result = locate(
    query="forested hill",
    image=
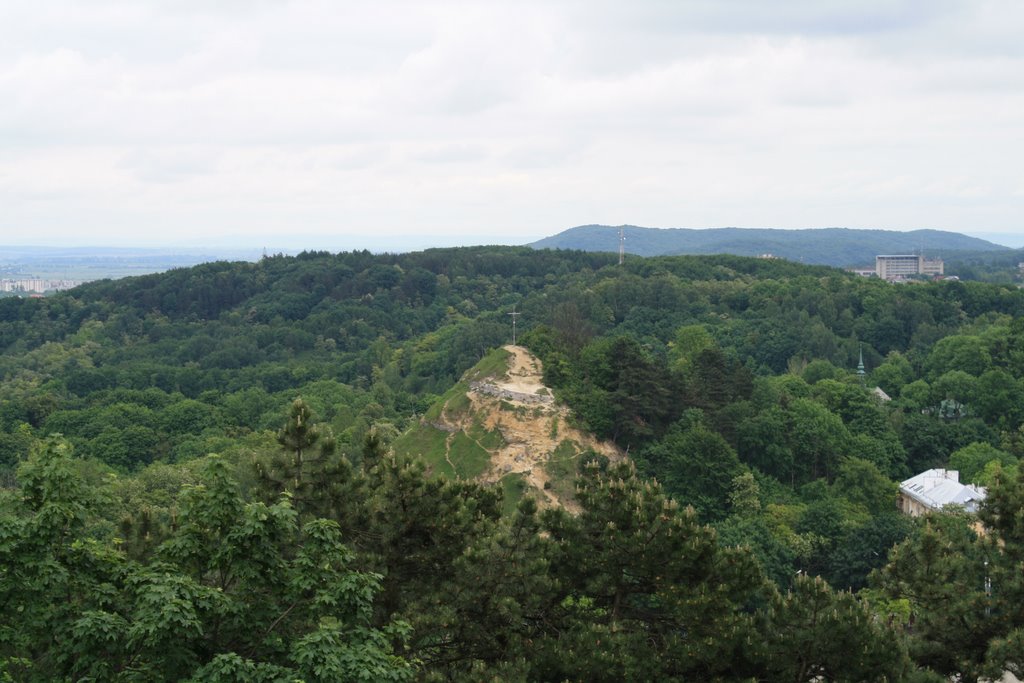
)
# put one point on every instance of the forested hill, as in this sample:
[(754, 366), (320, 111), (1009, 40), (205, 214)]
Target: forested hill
[(987, 266), (826, 246), (218, 473)]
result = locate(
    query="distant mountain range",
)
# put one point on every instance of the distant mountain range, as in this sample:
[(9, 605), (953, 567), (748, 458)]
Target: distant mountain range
[(825, 246)]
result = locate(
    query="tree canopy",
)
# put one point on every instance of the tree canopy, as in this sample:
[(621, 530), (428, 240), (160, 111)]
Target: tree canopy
[(749, 535)]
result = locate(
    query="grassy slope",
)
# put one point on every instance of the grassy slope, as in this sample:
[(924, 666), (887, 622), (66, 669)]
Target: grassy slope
[(466, 454), (513, 488), (429, 443), (561, 469)]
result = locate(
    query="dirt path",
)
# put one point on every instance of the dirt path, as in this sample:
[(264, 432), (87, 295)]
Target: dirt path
[(448, 450), (525, 374)]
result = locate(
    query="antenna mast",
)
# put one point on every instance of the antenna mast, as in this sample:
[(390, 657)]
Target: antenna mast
[(622, 244), (514, 316)]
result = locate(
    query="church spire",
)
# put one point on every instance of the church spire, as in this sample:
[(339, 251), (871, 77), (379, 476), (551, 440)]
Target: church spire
[(860, 365)]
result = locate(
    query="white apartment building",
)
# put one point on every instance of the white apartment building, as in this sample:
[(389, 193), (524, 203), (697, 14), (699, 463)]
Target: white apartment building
[(899, 266)]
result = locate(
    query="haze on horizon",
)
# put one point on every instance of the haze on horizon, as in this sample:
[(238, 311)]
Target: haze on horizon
[(409, 124)]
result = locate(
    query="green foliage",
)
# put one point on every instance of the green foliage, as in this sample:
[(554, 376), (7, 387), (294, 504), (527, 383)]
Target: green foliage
[(955, 384), (861, 483), (941, 438), (439, 517), (863, 548), (684, 362), (971, 460), (659, 600), (941, 572), (744, 497), (696, 466), (1000, 399), (232, 578), (814, 633), (895, 373), (690, 340), (591, 459), (306, 467)]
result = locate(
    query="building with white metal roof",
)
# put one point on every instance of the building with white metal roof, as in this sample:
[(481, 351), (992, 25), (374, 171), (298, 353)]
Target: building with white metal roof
[(935, 489)]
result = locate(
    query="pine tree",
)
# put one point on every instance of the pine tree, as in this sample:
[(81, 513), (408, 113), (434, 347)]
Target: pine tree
[(941, 572), (812, 633), (319, 481), (649, 593)]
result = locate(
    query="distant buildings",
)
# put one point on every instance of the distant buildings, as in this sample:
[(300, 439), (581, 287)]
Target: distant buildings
[(899, 266), (38, 285), (935, 489)]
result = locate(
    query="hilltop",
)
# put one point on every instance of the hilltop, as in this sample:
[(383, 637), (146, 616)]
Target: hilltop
[(501, 425), (824, 246)]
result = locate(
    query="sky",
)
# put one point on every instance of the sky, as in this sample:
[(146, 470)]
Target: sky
[(400, 125)]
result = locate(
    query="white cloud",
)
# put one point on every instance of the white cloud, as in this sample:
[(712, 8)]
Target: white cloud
[(505, 120)]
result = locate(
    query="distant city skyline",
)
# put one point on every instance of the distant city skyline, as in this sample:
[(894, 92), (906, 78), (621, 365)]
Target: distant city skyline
[(403, 125)]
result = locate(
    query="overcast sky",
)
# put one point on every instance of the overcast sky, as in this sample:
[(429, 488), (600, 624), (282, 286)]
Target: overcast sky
[(328, 124)]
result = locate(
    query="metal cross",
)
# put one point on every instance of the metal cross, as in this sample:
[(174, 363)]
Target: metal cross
[(514, 316)]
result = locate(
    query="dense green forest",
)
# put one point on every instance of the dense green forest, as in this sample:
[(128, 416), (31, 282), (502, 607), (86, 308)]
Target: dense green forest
[(987, 266), (199, 485)]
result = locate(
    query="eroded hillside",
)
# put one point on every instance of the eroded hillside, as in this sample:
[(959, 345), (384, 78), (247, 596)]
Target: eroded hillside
[(501, 424)]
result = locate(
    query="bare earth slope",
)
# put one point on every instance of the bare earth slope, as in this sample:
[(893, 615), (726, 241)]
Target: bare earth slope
[(512, 416)]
